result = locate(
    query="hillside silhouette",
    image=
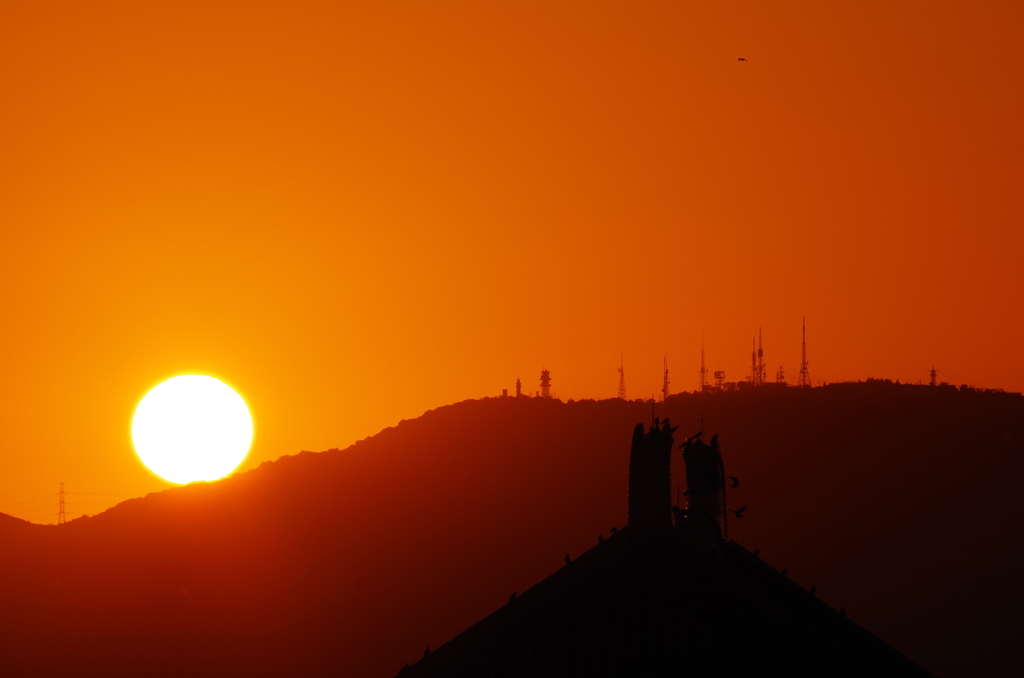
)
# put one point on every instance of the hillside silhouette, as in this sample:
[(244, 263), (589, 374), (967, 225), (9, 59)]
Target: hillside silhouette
[(896, 502)]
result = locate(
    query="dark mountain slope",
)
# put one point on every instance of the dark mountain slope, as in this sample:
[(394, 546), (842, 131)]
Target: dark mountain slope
[(898, 502)]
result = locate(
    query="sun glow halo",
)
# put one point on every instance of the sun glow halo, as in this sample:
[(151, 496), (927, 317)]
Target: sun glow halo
[(191, 428)]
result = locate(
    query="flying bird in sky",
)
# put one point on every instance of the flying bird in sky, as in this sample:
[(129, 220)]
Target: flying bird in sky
[(739, 511), (735, 482), (741, 59)]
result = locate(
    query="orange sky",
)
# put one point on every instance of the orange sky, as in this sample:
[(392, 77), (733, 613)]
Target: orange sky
[(354, 212)]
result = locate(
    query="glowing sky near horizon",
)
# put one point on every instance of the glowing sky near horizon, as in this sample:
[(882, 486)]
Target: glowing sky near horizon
[(362, 211)]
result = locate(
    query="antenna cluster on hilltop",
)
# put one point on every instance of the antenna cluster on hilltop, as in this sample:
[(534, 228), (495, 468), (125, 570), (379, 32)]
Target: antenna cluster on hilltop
[(758, 370), (758, 373)]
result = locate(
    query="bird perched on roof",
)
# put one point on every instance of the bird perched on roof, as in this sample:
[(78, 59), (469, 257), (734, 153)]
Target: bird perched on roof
[(842, 611), (513, 596), (735, 482), (600, 539), (739, 511), (757, 553), (566, 558), (814, 590), (426, 651), (614, 529), (785, 571)]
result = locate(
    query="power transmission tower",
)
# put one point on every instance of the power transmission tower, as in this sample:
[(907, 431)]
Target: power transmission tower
[(804, 380), (61, 518)]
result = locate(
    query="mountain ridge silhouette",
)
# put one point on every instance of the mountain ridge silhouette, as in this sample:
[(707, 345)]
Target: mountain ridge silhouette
[(353, 560)]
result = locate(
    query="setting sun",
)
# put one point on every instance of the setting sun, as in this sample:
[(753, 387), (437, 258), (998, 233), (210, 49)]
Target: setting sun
[(191, 428)]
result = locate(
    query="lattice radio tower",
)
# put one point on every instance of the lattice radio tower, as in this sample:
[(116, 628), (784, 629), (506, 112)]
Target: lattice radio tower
[(622, 377), (753, 362), (545, 384), (664, 384), (720, 379), (703, 370), (61, 518), (762, 375), (804, 380)]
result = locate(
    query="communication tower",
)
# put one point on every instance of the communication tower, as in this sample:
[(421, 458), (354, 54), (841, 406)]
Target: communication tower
[(804, 380), (934, 373), (703, 370), (762, 375), (519, 388), (664, 384), (753, 362), (622, 377), (545, 384), (720, 379), (61, 518), (780, 376)]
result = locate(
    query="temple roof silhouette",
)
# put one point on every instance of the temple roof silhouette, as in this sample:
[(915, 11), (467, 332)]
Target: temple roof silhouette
[(668, 594)]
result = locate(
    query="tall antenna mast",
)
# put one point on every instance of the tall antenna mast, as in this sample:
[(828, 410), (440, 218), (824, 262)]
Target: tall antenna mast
[(804, 380), (622, 376), (664, 385), (61, 518), (754, 362), (761, 376), (703, 370)]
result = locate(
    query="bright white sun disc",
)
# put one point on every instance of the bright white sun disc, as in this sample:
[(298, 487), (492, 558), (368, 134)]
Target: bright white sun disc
[(191, 428)]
